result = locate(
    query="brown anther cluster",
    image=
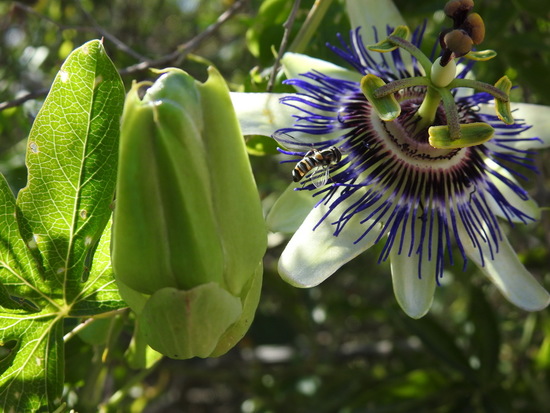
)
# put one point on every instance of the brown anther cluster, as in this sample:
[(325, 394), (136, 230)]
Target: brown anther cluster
[(468, 30)]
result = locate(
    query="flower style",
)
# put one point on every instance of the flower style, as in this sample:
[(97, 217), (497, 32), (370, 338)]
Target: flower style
[(413, 182)]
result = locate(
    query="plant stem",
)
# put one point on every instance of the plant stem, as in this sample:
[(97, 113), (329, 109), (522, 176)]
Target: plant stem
[(310, 26)]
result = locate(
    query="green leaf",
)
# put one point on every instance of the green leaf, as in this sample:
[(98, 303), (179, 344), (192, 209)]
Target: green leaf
[(54, 261), (99, 293), (486, 337), (18, 269), (30, 332), (267, 29), (32, 373), (261, 145), (440, 343), (71, 159)]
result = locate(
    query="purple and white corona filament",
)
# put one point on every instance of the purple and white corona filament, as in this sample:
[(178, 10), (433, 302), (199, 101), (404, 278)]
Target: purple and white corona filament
[(392, 186)]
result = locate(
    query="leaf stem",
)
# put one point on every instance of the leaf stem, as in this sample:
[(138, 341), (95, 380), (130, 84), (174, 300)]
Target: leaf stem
[(287, 25), (118, 396), (310, 26)]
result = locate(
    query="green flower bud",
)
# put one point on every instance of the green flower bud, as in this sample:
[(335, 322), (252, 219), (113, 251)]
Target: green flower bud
[(164, 232), (188, 230)]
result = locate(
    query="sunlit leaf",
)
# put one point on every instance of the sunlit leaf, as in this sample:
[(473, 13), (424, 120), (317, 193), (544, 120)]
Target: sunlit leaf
[(50, 239)]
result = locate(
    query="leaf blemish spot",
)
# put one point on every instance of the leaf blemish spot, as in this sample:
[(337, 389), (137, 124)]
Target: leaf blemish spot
[(61, 270), (83, 214), (33, 147), (88, 241), (32, 244), (98, 81), (64, 76)]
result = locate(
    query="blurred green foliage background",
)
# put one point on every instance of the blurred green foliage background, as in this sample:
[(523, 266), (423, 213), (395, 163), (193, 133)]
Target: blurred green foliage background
[(344, 346)]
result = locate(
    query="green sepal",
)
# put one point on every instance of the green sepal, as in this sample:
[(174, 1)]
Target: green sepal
[(481, 55), (471, 134), (250, 297), (387, 45), (134, 299), (183, 324), (164, 230), (139, 350), (502, 107), (259, 145), (387, 106)]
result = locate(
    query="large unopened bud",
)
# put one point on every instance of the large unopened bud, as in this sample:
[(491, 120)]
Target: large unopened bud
[(188, 231)]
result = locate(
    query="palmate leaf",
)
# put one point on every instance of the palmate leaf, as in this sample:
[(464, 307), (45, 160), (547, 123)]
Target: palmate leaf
[(54, 260)]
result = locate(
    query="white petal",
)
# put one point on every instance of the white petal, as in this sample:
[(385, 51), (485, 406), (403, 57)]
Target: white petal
[(462, 92), (508, 274), (537, 116), (261, 113), (527, 206), (295, 64), (312, 256), (378, 14), (290, 210), (373, 13), (414, 294)]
